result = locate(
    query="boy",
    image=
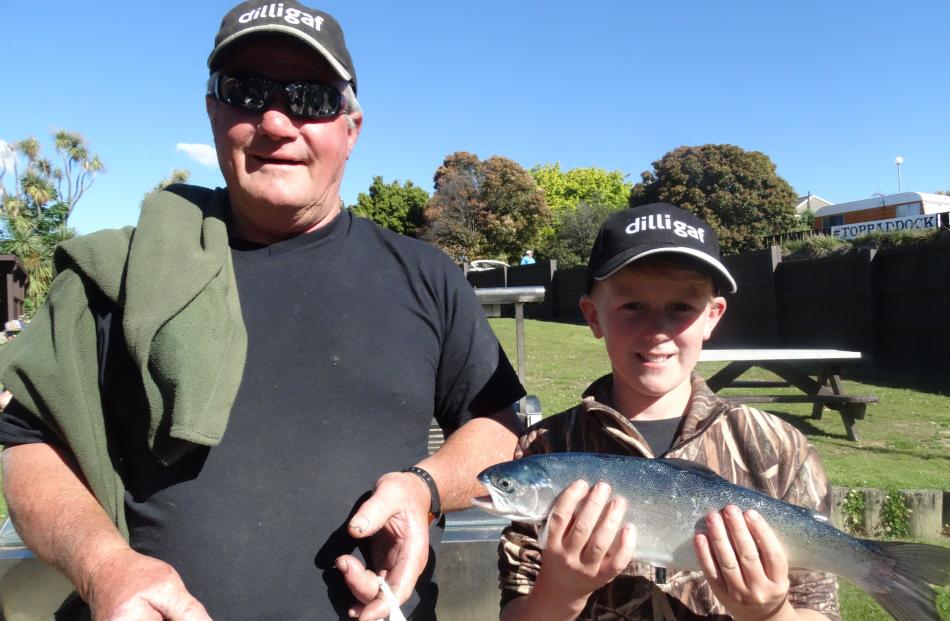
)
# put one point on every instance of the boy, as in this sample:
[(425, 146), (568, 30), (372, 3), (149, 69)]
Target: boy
[(654, 283)]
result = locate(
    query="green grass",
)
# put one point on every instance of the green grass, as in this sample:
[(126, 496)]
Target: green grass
[(856, 605), (904, 439)]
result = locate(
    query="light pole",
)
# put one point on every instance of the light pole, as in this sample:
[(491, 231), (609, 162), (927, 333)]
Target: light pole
[(897, 162)]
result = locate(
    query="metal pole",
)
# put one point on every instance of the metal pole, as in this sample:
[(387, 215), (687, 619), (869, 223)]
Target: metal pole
[(490, 296), (519, 340), (900, 187)]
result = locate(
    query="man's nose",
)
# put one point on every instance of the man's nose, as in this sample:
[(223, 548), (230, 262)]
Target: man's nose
[(276, 122)]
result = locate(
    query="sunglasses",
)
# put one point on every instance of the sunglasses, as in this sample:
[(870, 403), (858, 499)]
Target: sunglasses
[(304, 100)]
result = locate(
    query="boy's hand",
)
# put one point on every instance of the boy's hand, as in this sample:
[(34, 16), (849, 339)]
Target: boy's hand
[(745, 565), (588, 544)]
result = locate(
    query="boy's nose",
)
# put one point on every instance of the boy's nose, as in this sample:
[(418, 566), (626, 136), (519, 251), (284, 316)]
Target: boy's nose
[(660, 327), (656, 320)]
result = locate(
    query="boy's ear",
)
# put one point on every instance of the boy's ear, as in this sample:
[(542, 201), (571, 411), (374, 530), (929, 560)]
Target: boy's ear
[(717, 307), (589, 310)]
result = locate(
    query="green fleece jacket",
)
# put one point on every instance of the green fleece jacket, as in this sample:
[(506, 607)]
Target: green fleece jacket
[(173, 279)]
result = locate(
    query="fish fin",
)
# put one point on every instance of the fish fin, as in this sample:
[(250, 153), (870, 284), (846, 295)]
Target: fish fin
[(902, 579), (685, 464)]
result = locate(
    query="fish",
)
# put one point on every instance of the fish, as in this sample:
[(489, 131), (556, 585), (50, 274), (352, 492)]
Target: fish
[(668, 499)]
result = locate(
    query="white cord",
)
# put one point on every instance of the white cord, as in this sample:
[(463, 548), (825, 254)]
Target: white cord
[(394, 613)]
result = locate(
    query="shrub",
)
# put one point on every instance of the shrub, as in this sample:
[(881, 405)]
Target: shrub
[(853, 512), (897, 239), (895, 515), (815, 246)]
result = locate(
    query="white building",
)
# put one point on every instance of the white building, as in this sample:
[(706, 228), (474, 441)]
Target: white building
[(810, 201), (894, 212)]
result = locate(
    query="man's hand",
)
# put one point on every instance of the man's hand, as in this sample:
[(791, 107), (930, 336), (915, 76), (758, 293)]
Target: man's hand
[(745, 565), (61, 521), (128, 586), (396, 517)]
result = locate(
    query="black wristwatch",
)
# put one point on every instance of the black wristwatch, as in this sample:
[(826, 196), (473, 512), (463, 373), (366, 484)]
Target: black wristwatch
[(435, 504)]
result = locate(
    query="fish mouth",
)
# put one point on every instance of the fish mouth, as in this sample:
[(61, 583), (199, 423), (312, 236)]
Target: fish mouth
[(484, 503), (495, 506), (488, 505)]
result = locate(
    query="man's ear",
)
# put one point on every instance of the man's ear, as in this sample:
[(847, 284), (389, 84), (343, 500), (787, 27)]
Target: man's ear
[(356, 118), (589, 310), (211, 107), (717, 308)]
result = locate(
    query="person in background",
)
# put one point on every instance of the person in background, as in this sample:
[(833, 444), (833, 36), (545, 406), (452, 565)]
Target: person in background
[(224, 413), (528, 258)]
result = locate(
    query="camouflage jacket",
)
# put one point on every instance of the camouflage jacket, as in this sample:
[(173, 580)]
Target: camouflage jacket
[(742, 444)]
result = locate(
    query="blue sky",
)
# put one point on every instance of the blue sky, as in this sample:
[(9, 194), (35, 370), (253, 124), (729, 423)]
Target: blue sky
[(831, 91)]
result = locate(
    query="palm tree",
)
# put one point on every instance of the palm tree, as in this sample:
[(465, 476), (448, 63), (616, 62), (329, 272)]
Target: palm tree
[(34, 214), (179, 175), (79, 168)]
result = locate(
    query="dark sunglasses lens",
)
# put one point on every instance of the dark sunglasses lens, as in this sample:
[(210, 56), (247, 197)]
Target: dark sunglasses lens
[(313, 101), (247, 92)]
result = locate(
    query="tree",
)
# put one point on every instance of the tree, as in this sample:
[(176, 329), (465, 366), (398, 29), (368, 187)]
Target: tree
[(576, 230), (600, 190), (37, 202), (593, 186), (484, 209), (79, 168), (738, 192), (806, 220), (452, 214), (397, 207), (179, 175)]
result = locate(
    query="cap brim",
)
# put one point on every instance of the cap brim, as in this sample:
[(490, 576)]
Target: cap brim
[(286, 30), (615, 264)]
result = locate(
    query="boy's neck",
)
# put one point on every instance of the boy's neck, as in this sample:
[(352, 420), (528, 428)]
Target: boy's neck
[(634, 405)]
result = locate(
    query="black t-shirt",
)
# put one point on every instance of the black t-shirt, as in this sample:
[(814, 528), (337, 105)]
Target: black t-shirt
[(357, 337), (659, 434)]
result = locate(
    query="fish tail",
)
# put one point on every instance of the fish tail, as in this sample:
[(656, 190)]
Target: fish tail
[(902, 577)]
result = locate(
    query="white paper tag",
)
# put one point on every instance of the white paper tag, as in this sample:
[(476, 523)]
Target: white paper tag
[(394, 613)]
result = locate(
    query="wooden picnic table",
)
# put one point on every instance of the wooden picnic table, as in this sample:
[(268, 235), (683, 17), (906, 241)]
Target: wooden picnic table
[(825, 390)]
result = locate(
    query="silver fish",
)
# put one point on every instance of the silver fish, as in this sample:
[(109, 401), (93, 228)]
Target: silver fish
[(669, 499)]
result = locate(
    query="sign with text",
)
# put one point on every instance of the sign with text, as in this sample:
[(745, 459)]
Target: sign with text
[(906, 223)]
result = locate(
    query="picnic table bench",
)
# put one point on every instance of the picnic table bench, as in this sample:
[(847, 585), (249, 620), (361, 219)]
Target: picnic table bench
[(825, 390)]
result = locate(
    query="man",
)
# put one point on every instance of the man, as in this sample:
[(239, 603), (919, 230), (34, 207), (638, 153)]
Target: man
[(528, 258), (203, 402)]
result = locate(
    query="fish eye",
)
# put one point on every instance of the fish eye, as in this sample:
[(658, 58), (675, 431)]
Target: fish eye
[(505, 484)]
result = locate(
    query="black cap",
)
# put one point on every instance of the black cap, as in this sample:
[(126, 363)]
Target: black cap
[(315, 28), (632, 234)]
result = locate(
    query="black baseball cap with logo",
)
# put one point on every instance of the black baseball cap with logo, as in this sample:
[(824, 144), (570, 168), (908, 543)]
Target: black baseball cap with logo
[(638, 232), (315, 28)]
